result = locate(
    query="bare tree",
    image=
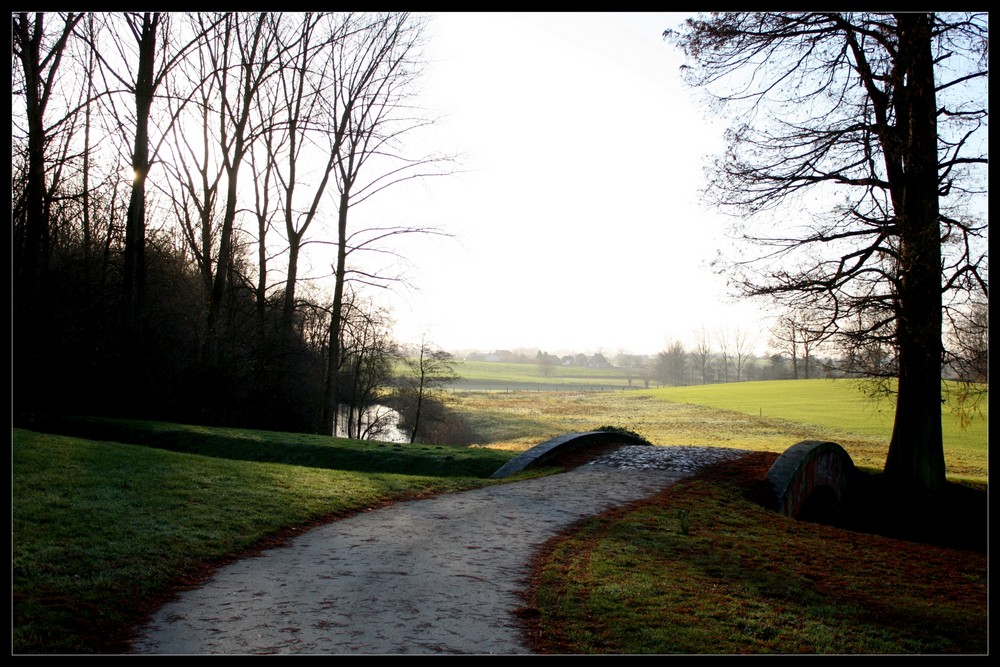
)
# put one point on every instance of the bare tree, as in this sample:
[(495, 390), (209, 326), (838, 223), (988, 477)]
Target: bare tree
[(132, 131), (142, 87), (742, 352), (885, 114), (631, 365), (672, 364), (194, 168), (220, 101), (244, 58), (702, 353), (97, 227), (798, 333), (546, 364), (429, 369), (968, 357), (969, 350), (265, 210), (785, 338), (39, 52), (369, 356), (305, 130), (647, 371), (725, 343), (139, 73), (376, 65)]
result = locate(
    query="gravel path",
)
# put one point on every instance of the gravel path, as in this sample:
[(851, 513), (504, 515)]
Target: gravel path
[(435, 576)]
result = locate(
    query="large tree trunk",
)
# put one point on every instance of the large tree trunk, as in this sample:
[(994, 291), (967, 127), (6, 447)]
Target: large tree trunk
[(291, 281), (224, 260), (28, 255), (333, 367), (916, 453), (134, 275)]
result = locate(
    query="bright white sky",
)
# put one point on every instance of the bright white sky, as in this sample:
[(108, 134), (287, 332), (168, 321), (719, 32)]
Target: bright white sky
[(576, 219)]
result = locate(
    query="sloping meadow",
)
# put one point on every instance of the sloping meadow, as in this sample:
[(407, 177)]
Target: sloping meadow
[(762, 416)]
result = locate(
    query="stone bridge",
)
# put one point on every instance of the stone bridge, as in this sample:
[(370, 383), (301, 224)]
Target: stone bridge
[(811, 479), (565, 445)]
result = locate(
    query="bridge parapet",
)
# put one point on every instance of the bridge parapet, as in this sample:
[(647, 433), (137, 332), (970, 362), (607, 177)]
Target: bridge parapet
[(571, 442), (810, 479)]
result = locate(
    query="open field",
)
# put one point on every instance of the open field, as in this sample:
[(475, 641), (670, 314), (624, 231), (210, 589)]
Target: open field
[(761, 416), (516, 405), (838, 404), (840, 408), (496, 376)]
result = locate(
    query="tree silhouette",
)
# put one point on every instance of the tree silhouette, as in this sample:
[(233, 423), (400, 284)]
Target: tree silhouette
[(882, 114), (428, 369)]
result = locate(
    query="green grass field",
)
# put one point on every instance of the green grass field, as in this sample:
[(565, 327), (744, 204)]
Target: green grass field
[(101, 527), (760, 416), (496, 376), (838, 406), (841, 408)]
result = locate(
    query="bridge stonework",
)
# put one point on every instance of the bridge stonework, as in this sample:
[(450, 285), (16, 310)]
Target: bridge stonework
[(811, 479), (571, 442)]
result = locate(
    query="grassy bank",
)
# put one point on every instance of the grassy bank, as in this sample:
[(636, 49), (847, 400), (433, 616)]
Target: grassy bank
[(102, 530), (731, 577)]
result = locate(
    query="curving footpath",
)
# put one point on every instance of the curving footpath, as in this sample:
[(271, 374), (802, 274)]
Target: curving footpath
[(434, 576)]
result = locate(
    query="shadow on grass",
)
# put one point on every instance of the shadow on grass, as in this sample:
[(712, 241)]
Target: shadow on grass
[(957, 517), (284, 448)]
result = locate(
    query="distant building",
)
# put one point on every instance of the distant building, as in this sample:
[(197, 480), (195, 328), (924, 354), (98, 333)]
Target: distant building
[(598, 361), (547, 359)]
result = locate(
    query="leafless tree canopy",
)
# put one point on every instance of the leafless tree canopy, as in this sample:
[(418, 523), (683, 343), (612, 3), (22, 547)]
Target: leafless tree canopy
[(182, 175), (856, 165), (428, 368)]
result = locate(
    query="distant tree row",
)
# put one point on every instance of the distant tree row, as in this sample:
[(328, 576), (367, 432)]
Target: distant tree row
[(182, 191), (800, 348)]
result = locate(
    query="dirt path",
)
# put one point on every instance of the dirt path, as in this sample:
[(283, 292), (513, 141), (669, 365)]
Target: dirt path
[(433, 576)]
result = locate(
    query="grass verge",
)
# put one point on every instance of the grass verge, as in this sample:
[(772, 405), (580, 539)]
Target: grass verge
[(104, 531), (736, 578)]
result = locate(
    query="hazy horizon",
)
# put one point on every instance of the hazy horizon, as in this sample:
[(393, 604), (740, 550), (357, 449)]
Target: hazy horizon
[(575, 216)]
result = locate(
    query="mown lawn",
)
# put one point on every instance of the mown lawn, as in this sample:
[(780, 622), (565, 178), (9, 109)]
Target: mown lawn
[(498, 376), (843, 411), (103, 530)]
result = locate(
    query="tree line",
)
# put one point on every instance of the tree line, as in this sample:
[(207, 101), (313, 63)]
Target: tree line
[(184, 189)]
